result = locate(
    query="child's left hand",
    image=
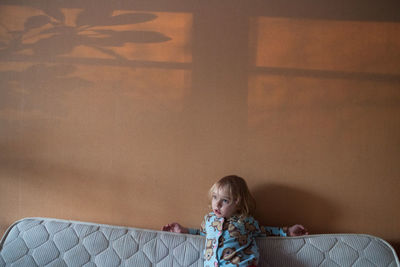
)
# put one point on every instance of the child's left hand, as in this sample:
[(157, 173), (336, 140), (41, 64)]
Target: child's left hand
[(297, 230)]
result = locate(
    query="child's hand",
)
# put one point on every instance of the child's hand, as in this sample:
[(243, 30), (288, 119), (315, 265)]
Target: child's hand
[(175, 228), (297, 230)]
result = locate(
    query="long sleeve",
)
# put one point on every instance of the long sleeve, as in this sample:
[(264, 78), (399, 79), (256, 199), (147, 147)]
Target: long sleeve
[(200, 231), (273, 231), (194, 231), (263, 231)]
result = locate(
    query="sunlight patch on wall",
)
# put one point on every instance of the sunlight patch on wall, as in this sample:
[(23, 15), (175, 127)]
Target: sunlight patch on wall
[(160, 37), (306, 70), (147, 89), (51, 57), (297, 102), (349, 46), (8, 14), (116, 34)]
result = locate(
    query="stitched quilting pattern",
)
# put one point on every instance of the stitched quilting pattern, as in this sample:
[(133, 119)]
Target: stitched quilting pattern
[(52, 242)]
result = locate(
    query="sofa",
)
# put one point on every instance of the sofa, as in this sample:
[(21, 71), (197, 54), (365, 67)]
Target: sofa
[(53, 242)]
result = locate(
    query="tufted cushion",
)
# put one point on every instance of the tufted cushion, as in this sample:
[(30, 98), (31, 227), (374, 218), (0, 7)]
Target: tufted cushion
[(52, 242)]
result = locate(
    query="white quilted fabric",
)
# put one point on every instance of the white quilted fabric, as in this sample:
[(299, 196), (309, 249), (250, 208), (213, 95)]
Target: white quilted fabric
[(52, 242)]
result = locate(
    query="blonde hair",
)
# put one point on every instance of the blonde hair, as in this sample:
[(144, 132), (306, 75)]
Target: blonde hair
[(237, 188)]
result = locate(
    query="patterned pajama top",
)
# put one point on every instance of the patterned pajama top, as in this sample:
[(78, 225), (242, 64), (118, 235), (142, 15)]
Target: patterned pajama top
[(231, 242)]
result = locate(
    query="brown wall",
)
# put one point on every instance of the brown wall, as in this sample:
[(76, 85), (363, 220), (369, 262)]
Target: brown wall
[(125, 112)]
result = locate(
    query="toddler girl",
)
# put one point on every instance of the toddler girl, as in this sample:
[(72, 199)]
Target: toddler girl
[(229, 228)]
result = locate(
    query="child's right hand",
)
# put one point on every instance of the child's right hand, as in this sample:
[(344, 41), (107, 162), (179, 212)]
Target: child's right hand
[(175, 228), (297, 230)]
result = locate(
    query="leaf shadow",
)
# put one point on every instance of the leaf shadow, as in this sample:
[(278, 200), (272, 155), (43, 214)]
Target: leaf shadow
[(50, 36)]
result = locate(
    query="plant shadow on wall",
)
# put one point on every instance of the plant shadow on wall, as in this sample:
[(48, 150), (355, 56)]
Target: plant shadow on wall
[(45, 53), (279, 205), (39, 67), (50, 35)]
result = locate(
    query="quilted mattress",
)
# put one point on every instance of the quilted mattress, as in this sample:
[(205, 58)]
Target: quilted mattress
[(53, 242)]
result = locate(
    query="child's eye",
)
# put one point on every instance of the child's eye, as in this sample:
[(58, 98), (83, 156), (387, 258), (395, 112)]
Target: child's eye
[(225, 201), (214, 197)]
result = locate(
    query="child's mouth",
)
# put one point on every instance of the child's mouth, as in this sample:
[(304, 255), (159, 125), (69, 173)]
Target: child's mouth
[(217, 212)]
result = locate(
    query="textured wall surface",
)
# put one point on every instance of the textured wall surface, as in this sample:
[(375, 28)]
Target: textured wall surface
[(126, 112)]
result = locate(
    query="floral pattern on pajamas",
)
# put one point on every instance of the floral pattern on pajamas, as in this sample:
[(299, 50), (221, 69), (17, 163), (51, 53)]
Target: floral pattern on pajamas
[(231, 242)]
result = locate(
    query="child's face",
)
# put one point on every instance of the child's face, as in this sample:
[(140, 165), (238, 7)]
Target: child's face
[(222, 203)]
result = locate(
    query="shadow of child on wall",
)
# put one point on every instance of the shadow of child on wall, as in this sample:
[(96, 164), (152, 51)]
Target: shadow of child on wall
[(280, 205)]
